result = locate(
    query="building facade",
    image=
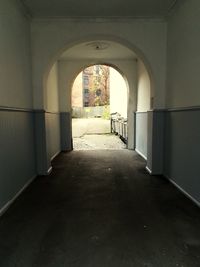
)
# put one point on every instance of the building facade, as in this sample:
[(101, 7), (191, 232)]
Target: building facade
[(96, 86)]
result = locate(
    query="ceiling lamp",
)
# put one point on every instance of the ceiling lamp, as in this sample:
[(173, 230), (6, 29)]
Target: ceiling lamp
[(98, 45)]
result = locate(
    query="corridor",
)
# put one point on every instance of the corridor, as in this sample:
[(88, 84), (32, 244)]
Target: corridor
[(100, 209)]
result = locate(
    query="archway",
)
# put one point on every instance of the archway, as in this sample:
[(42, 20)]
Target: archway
[(99, 41), (77, 57), (99, 103)]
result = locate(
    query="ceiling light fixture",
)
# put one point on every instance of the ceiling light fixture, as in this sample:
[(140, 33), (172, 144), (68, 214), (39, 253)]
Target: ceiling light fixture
[(98, 45)]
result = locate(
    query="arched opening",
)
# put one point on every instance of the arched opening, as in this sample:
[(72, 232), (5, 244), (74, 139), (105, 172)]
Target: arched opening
[(99, 101), (100, 52), (69, 51)]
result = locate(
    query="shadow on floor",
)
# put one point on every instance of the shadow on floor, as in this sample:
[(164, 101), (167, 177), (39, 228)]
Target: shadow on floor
[(100, 209)]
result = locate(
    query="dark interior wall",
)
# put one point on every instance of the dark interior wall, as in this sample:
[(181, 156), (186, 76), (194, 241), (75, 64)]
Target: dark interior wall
[(182, 131), (183, 57), (53, 134), (182, 150), (15, 56), (17, 156)]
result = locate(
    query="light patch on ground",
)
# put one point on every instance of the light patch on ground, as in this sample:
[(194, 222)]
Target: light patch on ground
[(98, 141), (81, 127)]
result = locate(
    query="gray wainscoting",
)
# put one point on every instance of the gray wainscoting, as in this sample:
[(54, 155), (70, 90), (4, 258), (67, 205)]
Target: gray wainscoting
[(17, 155), (141, 133), (53, 134), (48, 139), (182, 150), (155, 148), (66, 131), (43, 163), (29, 140)]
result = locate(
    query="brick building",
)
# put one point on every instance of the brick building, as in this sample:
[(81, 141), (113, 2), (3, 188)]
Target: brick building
[(96, 86)]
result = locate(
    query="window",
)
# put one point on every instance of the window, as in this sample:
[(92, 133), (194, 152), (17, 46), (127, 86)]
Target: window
[(86, 91), (97, 69), (85, 80), (98, 92)]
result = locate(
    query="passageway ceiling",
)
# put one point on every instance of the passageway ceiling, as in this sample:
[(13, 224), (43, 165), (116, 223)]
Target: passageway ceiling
[(98, 50), (101, 8)]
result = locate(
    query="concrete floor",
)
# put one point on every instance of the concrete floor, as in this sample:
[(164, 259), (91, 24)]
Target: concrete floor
[(100, 209)]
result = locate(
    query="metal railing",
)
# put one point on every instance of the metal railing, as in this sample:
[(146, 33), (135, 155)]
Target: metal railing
[(119, 126)]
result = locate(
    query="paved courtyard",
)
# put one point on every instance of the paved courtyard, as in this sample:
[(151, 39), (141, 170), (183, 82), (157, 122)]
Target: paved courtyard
[(101, 141), (93, 134), (82, 127)]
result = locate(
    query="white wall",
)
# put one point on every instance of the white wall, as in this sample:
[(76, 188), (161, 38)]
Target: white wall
[(118, 93), (143, 105), (51, 36), (52, 93), (143, 88), (183, 65), (52, 116), (77, 91), (15, 64)]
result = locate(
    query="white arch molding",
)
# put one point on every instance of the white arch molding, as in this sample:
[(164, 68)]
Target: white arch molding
[(91, 38), (129, 76)]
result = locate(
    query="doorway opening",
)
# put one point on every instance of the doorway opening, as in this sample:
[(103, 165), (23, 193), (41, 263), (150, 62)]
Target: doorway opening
[(99, 109)]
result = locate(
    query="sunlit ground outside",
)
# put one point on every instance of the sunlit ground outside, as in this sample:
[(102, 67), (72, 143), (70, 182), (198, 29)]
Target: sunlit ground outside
[(94, 133)]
